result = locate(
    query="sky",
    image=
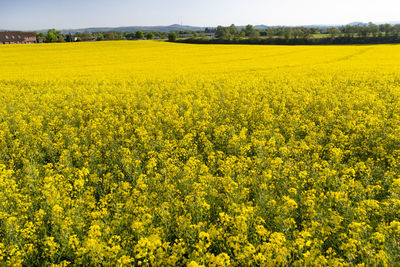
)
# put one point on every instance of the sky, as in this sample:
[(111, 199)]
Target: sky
[(70, 14)]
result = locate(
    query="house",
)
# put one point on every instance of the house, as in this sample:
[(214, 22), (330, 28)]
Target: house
[(14, 37)]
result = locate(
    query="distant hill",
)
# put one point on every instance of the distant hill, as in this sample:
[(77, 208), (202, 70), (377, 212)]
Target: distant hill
[(173, 27), (389, 22), (319, 26), (355, 23), (177, 27), (261, 27), (323, 26), (378, 23)]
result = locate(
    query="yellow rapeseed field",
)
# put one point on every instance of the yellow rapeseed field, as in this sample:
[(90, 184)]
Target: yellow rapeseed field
[(162, 154)]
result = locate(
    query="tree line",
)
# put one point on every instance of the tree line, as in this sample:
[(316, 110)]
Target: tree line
[(54, 36), (348, 34)]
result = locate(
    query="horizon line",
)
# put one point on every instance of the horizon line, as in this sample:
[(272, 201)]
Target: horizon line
[(213, 26)]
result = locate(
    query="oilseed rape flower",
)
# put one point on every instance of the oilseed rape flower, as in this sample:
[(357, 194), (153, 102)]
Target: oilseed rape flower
[(163, 154)]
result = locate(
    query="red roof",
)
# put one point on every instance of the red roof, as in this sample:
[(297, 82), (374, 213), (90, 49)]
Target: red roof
[(17, 37)]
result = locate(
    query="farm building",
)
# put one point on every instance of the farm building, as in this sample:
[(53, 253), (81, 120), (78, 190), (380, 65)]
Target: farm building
[(14, 37)]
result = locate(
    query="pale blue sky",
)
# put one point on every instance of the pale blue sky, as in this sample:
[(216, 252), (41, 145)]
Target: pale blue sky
[(66, 14)]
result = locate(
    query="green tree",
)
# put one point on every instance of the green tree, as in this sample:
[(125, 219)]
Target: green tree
[(305, 33), (396, 30), (139, 35), (163, 35), (296, 33), (172, 37), (227, 33), (39, 36), (109, 36), (233, 31), (362, 31), (130, 35), (60, 38), (221, 32), (100, 37), (150, 36), (68, 37), (270, 33), (119, 36), (242, 33), (387, 28), (373, 29), (51, 36), (334, 32), (349, 31), (249, 30), (287, 33)]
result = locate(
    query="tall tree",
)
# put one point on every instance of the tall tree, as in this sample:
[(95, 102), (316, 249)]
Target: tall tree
[(348, 31), (334, 32), (220, 32), (139, 35), (150, 36), (100, 37), (287, 33), (233, 31), (373, 29), (249, 30), (172, 37), (109, 36), (51, 36), (387, 29)]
